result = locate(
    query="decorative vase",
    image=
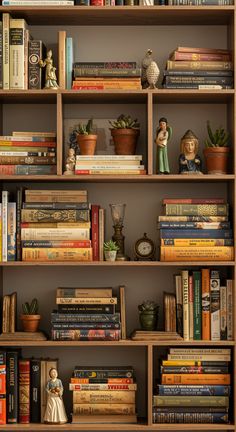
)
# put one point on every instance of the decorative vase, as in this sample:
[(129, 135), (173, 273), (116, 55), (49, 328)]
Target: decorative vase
[(110, 255), (87, 144), (148, 320), (217, 159), (30, 323), (153, 73), (125, 140)]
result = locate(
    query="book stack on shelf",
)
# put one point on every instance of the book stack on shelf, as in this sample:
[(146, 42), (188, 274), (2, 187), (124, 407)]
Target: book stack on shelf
[(110, 165), (199, 68), (195, 387), (202, 308), (38, 2), (28, 153), (106, 76), (195, 230), (85, 314), (103, 394)]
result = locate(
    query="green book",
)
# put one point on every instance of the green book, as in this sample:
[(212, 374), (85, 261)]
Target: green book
[(197, 310), (191, 401)]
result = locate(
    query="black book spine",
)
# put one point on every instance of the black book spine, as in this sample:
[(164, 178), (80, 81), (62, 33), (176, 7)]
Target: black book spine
[(35, 412), (12, 387), (87, 309), (103, 374), (19, 198), (36, 53)]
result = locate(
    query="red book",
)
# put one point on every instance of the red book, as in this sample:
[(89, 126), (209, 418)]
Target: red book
[(2, 387), (24, 391), (96, 3), (193, 201), (95, 231), (27, 143), (101, 87), (193, 56)]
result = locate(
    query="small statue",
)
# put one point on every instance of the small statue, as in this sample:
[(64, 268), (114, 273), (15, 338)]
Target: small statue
[(147, 60), (153, 73), (163, 135), (50, 74), (55, 411), (189, 161), (70, 162)]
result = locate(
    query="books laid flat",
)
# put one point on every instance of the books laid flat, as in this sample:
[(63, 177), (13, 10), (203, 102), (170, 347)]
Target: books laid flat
[(154, 335)]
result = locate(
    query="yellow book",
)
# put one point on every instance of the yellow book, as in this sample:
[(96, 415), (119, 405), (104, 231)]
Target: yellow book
[(196, 242), (198, 379), (57, 254), (86, 300), (191, 253)]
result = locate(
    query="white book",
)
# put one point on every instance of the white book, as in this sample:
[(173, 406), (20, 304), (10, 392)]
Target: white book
[(55, 234), (198, 350), (229, 306), (109, 167), (223, 313), (17, 53), (109, 157), (62, 59), (215, 305), (5, 52), (4, 225), (101, 227), (185, 288)]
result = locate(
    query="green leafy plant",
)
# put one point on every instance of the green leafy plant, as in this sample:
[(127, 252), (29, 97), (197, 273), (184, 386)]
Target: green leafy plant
[(30, 309), (110, 246), (219, 138), (124, 122), (85, 129), (148, 306)]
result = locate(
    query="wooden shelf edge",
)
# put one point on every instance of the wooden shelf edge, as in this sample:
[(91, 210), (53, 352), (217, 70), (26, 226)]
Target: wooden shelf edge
[(118, 264), (121, 343)]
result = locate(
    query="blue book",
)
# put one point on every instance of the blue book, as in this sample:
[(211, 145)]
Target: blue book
[(194, 390), (69, 62), (195, 225), (196, 233)]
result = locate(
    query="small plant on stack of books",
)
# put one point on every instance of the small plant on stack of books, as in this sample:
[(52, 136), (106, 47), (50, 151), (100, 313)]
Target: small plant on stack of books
[(86, 138), (110, 250), (30, 317), (125, 133)]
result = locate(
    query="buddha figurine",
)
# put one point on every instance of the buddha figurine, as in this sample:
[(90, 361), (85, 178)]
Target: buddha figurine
[(189, 161)]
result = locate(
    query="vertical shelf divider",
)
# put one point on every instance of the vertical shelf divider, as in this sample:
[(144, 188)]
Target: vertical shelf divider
[(149, 383), (150, 132), (59, 135)]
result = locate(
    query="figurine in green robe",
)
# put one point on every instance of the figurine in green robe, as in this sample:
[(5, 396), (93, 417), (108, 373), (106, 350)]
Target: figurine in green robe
[(163, 135)]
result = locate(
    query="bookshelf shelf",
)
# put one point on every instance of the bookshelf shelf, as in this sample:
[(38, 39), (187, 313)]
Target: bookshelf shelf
[(121, 343), (117, 264)]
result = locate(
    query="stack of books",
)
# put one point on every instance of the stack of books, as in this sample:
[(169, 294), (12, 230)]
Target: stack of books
[(199, 68), (202, 306), (195, 387), (103, 394), (109, 165), (85, 314), (106, 76), (195, 230), (28, 153), (37, 2)]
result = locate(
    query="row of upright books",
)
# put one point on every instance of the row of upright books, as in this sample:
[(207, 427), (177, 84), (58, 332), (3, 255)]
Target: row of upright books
[(194, 386), (195, 230), (51, 225), (202, 306), (23, 395), (199, 68), (88, 314)]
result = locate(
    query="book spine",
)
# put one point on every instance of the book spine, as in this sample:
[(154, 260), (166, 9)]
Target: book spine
[(97, 397), (27, 169), (55, 215), (194, 369), (218, 253), (6, 51), (26, 57), (184, 274), (223, 313), (69, 62), (3, 384), (107, 86), (201, 56), (195, 233), (86, 300), (110, 172), (17, 67), (85, 326), (4, 224), (193, 201), (206, 363), (196, 242), (56, 244), (192, 218), (84, 292), (102, 387), (200, 357), (179, 304), (56, 206), (103, 374), (206, 316), (34, 70), (1, 232), (88, 335), (55, 234), (11, 231), (46, 145), (35, 391), (200, 351), (104, 381), (192, 417), (111, 158), (122, 312), (82, 168), (191, 305), (35, 160), (19, 197), (62, 59), (176, 409), (97, 409), (24, 391), (195, 225), (197, 401), (215, 305), (198, 86), (197, 310), (87, 309), (12, 387), (198, 80), (97, 72), (101, 230), (95, 231), (106, 65), (1, 55), (85, 318), (196, 209), (56, 254), (229, 307), (193, 390), (186, 65)]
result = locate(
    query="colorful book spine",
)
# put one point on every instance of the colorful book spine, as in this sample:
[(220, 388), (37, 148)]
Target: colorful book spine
[(87, 309), (200, 56), (3, 385), (17, 48), (102, 387), (191, 300), (56, 244), (198, 80), (218, 253), (194, 390), (86, 335), (179, 304), (180, 242), (12, 387), (57, 254), (90, 319), (101, 232), (101, 374), (195, 233), (69, 62), (84, 292), (103, 409), (104, 381), (212, 379), (93, 397), (223, 313), (1, 55), (197, 310), (86, 300), (194, 369), (6, 50), (56, 206), (4, 224), (185, 280), (35, 366), (11, 231), (85, 326), (55, 215), (55, 234), (196, 209), (201, 65), (215, 305), (35, 72), (28, 169), (95, 231), (229, 308), (195, 225), (206, 315), (190, 417), (196, 401), (24, 391)]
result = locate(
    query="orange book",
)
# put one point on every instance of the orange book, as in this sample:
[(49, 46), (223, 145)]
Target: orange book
[(198, 379), (108, 381), (191, 253), (206, 315)]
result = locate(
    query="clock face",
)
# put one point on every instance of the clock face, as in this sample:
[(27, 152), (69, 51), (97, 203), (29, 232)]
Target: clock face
[(144, 248)]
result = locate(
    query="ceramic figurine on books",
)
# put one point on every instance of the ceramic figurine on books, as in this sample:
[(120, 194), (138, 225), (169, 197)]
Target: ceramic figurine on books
[(70, 162), (55, 411), (163, 135), (50, 74), (189, 161)]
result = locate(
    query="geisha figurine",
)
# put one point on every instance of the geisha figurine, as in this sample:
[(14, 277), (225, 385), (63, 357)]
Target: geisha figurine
[(55, 411), (50, 74), (189, 161)]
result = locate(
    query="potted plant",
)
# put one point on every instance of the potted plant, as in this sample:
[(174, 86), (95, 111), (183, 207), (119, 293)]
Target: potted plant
[(125, 133), (110, 250), (148, 315), (30, 317), (217, 150), (86, 139)]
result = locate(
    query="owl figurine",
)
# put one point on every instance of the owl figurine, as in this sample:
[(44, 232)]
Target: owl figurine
[(152, 73), (147, 60)]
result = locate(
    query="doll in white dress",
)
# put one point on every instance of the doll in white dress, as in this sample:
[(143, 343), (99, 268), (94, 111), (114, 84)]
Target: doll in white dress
[(55, 411)]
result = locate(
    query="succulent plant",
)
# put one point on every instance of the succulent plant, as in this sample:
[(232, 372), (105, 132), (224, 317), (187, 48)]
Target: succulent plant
[(85, 129), (219, 138), (148, 306), (124, 122), (30, 309), (110, 246)]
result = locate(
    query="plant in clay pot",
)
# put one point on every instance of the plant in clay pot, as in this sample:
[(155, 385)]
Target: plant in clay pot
[(217, 150), (86, 138), (125, 133), (148, 315), (30, 317), (110, 250)]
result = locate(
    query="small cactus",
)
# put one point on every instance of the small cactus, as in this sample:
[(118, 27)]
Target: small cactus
[(85, 129), (30, 309), (110, 246), (124, 122), (218, 139)]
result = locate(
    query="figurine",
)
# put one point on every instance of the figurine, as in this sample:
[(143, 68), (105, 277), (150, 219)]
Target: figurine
[(145, 63), (50, 74), (189, 161), (70, 162), (55, 411), (163, 135), (153, 73)]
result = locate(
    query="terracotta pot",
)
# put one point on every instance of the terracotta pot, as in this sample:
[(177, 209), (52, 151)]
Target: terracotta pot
[(125, 140), (216, 159), (87, 144), (30, 323)]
